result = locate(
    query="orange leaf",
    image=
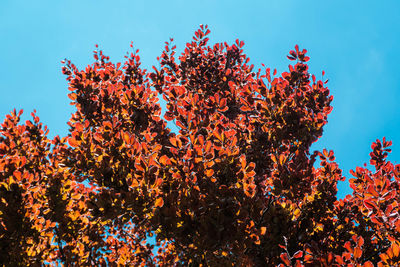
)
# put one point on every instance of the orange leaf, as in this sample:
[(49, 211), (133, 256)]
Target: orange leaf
[(72, 96), (159, 202), (209, 172), (263, 230), (201, 140), (217, 134), (78, 127), (134, 183), (173, 141), (243, 161), (107, 124), (17, 175), (72, 142), (396, 249), (126, 137), (164, 160), (208, 146), (158, 182)]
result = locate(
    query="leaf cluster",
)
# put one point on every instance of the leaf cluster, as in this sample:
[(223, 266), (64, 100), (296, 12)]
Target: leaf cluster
[(235, 184)]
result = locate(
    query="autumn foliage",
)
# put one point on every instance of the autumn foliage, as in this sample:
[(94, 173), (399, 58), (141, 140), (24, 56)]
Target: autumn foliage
[(224, 178)]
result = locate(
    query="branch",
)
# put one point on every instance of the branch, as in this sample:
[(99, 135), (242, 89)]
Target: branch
[(63, 258)]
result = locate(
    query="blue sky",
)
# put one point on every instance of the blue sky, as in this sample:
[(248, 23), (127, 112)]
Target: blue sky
[(356, 42)]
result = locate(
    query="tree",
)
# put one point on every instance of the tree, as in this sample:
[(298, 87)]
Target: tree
[(236, 184)]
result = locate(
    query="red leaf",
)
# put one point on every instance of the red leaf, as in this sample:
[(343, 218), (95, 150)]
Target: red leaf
[(360, 241), (369, 204), (298, 254), (347, 246), (357, 253), (284, 257), (339, 259)]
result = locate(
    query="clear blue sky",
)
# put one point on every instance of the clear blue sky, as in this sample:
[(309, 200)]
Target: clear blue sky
[(357, 43)]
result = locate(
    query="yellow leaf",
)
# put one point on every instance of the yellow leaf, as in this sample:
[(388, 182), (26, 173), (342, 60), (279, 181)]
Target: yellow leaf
[(85, 220), (4, 184), (282, 159), (296, 212)]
